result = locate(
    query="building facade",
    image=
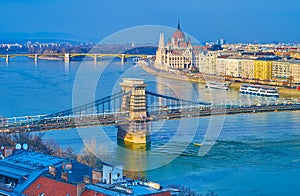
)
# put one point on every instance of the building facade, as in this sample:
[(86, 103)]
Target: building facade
[(221, 65), (263, 69), (210, 62), (295, 54), (248, 68), (233, 67), (295, 70), (177, 54), (281, 70)]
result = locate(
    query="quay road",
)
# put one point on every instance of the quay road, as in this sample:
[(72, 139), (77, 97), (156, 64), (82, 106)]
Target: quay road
[(111, 119)]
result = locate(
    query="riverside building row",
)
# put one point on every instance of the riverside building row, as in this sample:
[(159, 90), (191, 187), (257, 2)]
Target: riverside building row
[(180, 54), (260, 68)]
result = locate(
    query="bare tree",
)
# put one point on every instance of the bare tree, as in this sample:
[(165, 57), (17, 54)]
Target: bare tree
[(69, 154), (186, 191), (5, 139), (34, 141), (88, 156)]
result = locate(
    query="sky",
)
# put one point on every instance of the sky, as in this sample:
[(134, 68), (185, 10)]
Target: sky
[(206, 20)]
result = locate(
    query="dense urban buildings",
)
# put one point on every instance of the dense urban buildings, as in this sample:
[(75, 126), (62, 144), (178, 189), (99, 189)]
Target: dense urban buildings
[(262, 62), (29, 173)]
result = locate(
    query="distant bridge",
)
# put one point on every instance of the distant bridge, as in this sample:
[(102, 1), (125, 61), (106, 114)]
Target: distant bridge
[(69, 56), (130, 109)]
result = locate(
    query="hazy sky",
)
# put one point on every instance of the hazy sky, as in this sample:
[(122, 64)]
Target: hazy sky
[(233, 20)]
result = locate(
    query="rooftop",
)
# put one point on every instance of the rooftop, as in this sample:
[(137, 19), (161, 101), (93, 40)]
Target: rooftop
[(31, 160), (135, 188), (49, 187), (31, 173), (270, 58), (22, 168), (75, 175)]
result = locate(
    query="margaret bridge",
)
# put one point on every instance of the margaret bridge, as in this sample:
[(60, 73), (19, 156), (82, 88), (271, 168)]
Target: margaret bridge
[(67, 57)]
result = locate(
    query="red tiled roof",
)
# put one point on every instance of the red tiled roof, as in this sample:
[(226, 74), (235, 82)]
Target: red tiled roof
[(176, 52), (183, 45), (91, 193), (50, 187), (178, 34), (161, 194), (223, 56)]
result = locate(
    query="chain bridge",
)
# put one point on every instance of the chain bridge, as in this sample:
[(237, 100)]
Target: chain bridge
[(131, 110)]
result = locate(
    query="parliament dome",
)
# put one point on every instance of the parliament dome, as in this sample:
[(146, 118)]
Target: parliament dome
[(178, 34)]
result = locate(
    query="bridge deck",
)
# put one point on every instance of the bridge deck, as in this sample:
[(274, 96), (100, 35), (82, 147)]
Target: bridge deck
[(68, 122)]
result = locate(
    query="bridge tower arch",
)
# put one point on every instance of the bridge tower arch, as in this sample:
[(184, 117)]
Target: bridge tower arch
[(137, 129), (67, 57), (123, 59), (135, 101), (36, 58), (7, 59), (95, 58)]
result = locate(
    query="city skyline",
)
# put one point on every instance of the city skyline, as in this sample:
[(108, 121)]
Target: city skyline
[(235, 21)]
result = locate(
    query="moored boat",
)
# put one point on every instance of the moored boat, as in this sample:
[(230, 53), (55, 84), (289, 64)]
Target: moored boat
[(217, 85), (259, 90)]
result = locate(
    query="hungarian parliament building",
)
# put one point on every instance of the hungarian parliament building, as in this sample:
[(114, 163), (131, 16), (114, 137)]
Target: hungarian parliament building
[(178, 53)]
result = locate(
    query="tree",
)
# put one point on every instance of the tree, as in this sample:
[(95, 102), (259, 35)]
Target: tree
[(88, 156), (69, 154), (186, 191), (6, 140), (34, 141)]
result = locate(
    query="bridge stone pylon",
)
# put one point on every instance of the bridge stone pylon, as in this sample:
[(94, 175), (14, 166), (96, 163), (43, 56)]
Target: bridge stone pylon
[(67, 57), (135, 101), (137, 129), (7, 59)]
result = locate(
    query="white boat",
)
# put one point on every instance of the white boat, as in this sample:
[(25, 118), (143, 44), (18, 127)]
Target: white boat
[(217, 85), (259, 90), (135, 59)]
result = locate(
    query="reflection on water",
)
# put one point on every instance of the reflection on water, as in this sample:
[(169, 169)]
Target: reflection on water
[(133, 146), (134, 172)]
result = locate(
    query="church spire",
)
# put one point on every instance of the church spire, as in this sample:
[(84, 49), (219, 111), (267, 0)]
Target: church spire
[(161, 43), (178, 25)]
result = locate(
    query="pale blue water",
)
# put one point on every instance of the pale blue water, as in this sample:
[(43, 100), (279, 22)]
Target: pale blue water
[(256, 154)]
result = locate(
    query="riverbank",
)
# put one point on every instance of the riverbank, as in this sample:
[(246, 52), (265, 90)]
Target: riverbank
[(176, 76), (285, 93)]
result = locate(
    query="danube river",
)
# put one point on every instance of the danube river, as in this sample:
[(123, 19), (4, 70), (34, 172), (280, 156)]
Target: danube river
[(255, 154)]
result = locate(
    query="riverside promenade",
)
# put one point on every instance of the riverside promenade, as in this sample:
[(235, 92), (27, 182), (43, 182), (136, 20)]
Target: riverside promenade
[(285, 93)]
